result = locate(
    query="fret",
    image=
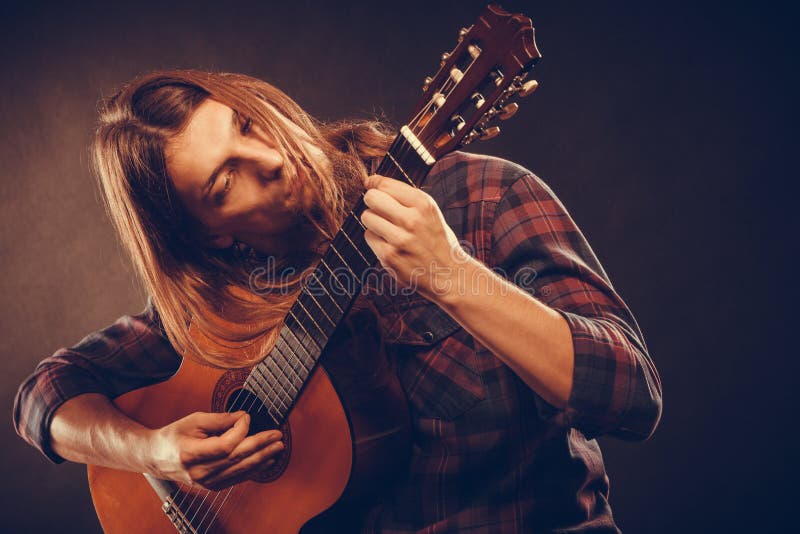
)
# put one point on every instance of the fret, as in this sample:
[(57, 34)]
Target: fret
[(306, 334), (278, 393), (266, 402), (280, 376), (333, 276), (321, 295), (350, 253), (264, 381), (367, 262), (276, 381), (357, 220), (325, 327), (305, 361), (290, 371), (405, 163), (310, 359), (297, 365), (332, 300), (286, 373), (400, 168), (273, 411), (311, 304), (354, 231), (344, 262), (317, 334)]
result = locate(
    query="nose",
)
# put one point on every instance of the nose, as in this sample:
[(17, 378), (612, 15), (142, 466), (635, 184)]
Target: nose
[(262, 160)]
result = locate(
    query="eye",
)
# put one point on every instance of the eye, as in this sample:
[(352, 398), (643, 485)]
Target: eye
[(227, 182), (246, 125)]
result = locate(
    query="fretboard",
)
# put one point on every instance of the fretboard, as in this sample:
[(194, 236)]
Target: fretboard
[(329, 292)]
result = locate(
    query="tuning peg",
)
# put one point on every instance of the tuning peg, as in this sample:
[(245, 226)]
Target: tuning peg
[(508, 111), (489, 133), (456, 74), (474, 51), (458, 123), (478, 100), (461, 33), (470, 137), (497, 76), (426, 82), (445, 56), (528, 87), (438, 100)]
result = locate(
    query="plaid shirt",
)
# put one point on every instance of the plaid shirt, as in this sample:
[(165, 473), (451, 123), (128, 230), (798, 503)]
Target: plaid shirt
[(489, 454)]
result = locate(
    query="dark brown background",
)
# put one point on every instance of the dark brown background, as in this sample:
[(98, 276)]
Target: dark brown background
[(667, 130)]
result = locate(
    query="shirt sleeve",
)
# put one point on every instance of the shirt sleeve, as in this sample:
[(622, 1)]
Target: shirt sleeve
[(131, 353), (536, 244)]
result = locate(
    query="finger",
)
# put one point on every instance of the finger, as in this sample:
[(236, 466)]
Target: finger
[(253, 444), (388, 207), (377, 224), (378, 244), (215, 422), (246, 466), (247, 447), (216, 447), (405, 194)]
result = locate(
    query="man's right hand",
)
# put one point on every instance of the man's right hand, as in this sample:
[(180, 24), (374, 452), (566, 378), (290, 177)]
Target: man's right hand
[(212, 450)]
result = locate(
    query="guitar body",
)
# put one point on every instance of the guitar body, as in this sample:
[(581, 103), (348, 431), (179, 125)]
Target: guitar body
[(331, 447)]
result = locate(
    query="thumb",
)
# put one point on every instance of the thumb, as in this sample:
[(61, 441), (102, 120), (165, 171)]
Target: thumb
[(214, 422)]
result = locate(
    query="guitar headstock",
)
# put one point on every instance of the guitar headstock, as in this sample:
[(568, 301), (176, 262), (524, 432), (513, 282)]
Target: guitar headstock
[(476, 82)]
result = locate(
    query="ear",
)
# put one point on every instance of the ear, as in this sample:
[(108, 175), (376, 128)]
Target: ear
[(219, 241)]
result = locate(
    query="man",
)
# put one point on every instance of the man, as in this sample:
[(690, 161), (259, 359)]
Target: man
[(513, 358)]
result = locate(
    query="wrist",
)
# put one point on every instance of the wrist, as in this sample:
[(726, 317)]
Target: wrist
[(148, 446), (462, 281)]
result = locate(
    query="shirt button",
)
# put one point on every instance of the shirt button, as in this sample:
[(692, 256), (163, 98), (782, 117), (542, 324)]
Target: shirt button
[(427, 337)]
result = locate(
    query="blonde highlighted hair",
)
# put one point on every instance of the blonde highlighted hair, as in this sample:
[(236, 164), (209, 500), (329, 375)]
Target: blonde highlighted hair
[(203, 296)]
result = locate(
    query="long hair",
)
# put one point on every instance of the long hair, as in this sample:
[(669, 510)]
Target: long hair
[(204, 296)]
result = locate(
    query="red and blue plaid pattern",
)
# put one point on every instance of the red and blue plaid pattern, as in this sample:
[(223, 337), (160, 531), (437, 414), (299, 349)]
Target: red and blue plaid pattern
[(489, 454)]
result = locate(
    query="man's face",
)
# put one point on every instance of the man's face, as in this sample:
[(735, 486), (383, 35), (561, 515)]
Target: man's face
[(233, 180)]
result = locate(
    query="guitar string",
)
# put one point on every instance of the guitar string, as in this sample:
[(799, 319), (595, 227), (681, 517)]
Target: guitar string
[(249, 408), (414, 123), (288, 359), (404, 149), (255, 399), (288, 363), (272, 405), (195, 495), (202, 505)]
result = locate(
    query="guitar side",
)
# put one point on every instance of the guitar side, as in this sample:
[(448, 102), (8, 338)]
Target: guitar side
[(312, 480)]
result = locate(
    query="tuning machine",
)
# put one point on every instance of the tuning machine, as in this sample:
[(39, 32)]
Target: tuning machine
[(508, 111), (521, 89), (481, 133), (528, 88)]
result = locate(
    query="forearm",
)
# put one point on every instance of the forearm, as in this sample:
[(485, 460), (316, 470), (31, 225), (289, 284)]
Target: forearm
[(89, 429), (533, 340)]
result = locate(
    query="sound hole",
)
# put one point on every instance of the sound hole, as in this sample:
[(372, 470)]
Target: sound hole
[(229, 396), (260, 419)]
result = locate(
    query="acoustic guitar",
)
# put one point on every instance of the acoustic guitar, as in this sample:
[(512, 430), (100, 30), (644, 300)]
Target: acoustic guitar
[(338, 448)]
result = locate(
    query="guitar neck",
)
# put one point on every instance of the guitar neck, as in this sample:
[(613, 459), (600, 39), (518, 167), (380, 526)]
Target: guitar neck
[(472, 88), (329, 292)]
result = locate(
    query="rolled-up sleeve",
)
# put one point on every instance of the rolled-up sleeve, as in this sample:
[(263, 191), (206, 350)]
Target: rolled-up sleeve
[(129, 354), (616, 389)]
